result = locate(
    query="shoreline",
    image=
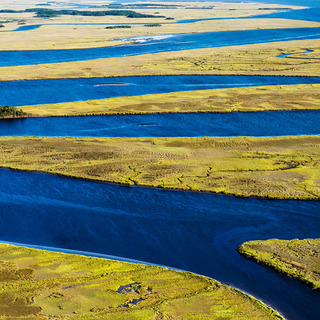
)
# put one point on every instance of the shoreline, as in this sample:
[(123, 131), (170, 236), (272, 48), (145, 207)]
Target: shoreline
[(128, 260), (133, 184)]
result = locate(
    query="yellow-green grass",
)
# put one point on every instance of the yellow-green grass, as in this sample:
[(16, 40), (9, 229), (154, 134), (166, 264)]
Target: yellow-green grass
[(299, 259), (285, 97), (41, 285), (256, 59), (276, 167), (50, 37)]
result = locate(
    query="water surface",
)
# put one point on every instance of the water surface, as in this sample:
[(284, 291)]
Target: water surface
[(31, 92), (176, 43), (259, 124), (191, 231)]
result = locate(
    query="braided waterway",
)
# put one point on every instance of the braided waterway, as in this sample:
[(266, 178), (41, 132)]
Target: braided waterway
[(191, 231)]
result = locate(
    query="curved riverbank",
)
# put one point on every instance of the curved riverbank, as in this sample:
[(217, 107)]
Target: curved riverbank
[(274, 168), (298, 259), (55, 292), (247, 99), (162, 227), (178, 42), (33, 92)]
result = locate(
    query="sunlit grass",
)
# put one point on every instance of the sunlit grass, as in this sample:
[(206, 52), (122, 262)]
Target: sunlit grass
[(284, 97), (280, 167), (298, 259), (42, 285)]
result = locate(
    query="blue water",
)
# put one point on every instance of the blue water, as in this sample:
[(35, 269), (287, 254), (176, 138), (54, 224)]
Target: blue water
[(29, 27), (291, 55), (311, 14), (30, 92), (268, 123), (191, 231), (176, 43), (303, 3)]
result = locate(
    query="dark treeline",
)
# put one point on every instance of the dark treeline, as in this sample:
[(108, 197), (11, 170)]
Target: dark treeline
[(153, 25), (8, 111), (48, 13), (138, 6), (119, 27)]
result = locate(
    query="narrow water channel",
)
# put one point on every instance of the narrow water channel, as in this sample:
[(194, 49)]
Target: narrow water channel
[(191, 231), (31, 92), (176, 43), (259, 124)]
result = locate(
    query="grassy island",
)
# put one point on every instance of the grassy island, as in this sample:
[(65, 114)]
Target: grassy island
[(299, 259), (41, 285), (272, 167), (255, 59), (284, 97)]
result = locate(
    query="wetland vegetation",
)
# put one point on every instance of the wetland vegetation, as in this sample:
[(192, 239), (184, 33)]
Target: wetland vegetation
[(42, 285), (280, 167), (48, 13), (299, 259), (248, 99), (254, 59)]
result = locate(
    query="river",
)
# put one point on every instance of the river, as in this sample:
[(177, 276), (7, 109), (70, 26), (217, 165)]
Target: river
[(191, 231), (31, 92), (259, 124), (175, 42)]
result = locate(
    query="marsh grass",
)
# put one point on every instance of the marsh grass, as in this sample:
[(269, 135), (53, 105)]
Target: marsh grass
[(41, 285), (299, 259), (284, 97), (280, 167), (255, 59)]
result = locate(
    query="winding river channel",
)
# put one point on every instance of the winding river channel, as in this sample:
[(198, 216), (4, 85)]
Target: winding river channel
[(176, 42), (196, 232)]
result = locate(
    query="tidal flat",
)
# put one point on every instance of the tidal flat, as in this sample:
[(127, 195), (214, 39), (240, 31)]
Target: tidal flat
[(275, 167), (296, 258)]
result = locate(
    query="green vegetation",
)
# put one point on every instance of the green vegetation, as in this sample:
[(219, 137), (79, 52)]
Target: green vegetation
[(153, 25), (298, 259), (42, 285), (7, 111), (45, 13), (276, 167), (288, 97), (118, 27)]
